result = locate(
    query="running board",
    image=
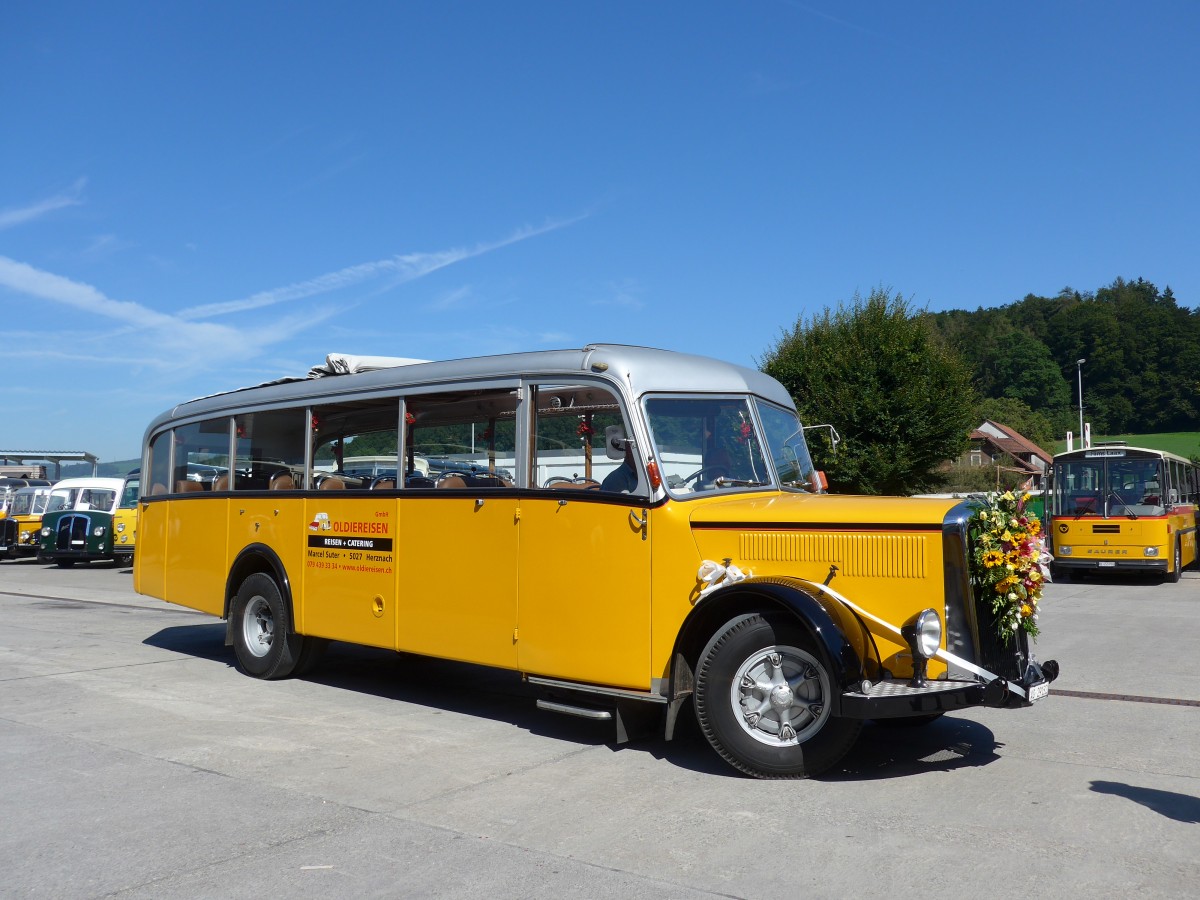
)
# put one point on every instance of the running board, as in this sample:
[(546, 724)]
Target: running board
[(634, 719), (583, 712), (598, 690)]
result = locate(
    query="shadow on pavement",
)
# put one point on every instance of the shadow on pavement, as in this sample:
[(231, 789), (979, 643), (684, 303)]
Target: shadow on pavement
[(892, 751), (1180, 807), (480, 691)]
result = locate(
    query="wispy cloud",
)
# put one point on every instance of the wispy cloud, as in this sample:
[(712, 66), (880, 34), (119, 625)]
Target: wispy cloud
[(400, 269), (162, 341), (624, 294), (455, 299), (845, 23), (20, 215), (104, 245)]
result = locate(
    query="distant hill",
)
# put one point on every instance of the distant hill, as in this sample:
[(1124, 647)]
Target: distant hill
[(1185, 443), (117, 469)]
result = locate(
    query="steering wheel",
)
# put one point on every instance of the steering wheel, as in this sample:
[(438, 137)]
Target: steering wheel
[(716, 471)]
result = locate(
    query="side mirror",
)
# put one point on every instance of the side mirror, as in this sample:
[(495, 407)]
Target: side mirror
[(615, 442)]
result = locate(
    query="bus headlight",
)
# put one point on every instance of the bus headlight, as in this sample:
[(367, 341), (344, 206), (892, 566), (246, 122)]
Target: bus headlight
[(1063, 551), (45, 532), (98, 531), (120, 527), (923, 633), (1149, 551)]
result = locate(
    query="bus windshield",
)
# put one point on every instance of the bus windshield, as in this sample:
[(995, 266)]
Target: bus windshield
[(1122, 486), (718, 444), (788, 449)]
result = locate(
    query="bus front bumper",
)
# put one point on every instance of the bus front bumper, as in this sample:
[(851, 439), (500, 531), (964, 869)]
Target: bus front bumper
[(1124, 564), (896, 698)]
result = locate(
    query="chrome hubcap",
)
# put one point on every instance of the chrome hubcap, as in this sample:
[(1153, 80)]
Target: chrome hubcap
[(258, 626), (780, 696)]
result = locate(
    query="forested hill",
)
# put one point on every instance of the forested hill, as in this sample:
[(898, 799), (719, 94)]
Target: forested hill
[(1142, 349)]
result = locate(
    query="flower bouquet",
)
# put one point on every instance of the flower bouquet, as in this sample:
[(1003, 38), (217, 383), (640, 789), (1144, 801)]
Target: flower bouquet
[(1008, 562)]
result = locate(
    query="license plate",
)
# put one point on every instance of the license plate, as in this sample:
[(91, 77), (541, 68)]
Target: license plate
[(1106, 565), (1038, 691)]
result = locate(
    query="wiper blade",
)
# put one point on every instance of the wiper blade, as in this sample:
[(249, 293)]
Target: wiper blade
[(722, 481)]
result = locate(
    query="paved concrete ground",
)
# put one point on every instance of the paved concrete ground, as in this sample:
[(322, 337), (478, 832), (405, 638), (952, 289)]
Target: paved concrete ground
[(135, 761)]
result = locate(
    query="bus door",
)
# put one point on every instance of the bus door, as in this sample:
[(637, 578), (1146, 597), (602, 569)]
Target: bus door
[(456, 526), (584, 582)]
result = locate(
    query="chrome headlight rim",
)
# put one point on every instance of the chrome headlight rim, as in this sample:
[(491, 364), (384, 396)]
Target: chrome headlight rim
[(923, 632)]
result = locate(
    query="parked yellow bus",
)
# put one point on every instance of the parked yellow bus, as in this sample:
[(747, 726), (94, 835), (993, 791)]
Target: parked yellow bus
[(1115, 508), (631, 529)]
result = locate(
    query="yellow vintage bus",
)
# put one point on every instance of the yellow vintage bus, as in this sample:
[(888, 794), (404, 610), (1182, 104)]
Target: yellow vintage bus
[(633, 530), (19, 531), (1115, 508), (125, 519)]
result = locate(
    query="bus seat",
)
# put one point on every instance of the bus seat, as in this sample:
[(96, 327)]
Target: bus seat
[(221, 482), (584, 484), (183, 486), (282, 481), (485, 479), (158, 490), (452, 481), (384, 483), (331, 483), (419, 481)]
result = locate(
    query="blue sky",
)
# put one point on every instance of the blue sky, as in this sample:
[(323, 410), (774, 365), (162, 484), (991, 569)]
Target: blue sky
[(200, 196)]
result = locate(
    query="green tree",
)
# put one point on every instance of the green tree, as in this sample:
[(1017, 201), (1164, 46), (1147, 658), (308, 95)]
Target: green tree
[(877, 370)]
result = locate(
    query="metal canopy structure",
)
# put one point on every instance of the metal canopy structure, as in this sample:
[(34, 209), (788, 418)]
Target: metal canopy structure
[(57, 457)]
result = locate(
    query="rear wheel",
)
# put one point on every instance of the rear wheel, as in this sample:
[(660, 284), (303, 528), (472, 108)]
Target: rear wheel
[(64, 563), (763, 694), (263, 641)]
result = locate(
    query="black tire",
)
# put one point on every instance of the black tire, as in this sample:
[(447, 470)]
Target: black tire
[(786, 732), (265, 645), (1176, 564), (65, 563), (1060, 575)]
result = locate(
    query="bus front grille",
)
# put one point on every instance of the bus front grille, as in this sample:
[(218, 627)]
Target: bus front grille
[(72, 533)]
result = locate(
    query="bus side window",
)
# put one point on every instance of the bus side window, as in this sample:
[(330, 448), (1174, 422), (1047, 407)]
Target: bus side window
[(465, 439), (569, 427), (160, 464), (354, 443), (269, 443)]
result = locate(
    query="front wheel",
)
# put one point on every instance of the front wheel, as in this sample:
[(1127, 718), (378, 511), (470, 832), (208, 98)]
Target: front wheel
[(263, 641), (763, 695), (1177, 570), (64, 563)]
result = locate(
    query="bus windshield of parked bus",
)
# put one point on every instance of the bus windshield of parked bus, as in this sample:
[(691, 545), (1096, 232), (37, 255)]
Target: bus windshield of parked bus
[(1110, 486)]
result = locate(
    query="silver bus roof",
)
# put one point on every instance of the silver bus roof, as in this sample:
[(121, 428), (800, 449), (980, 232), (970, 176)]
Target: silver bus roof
[(635, 370)]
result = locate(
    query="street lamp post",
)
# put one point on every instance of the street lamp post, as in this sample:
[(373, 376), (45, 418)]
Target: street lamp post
[(1079, 371)]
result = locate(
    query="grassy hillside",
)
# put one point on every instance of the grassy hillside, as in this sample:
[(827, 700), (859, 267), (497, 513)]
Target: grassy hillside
[(1185, 443)]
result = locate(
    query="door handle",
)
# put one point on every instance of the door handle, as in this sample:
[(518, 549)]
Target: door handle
[(640, 522)]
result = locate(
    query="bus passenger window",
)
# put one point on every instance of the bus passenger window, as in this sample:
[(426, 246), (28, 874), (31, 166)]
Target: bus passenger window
[(201, 454), (461, 440), (270, 450), (568, 445), (354, 443)]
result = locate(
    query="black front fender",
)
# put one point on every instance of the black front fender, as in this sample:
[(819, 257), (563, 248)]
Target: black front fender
[(840, 637)]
